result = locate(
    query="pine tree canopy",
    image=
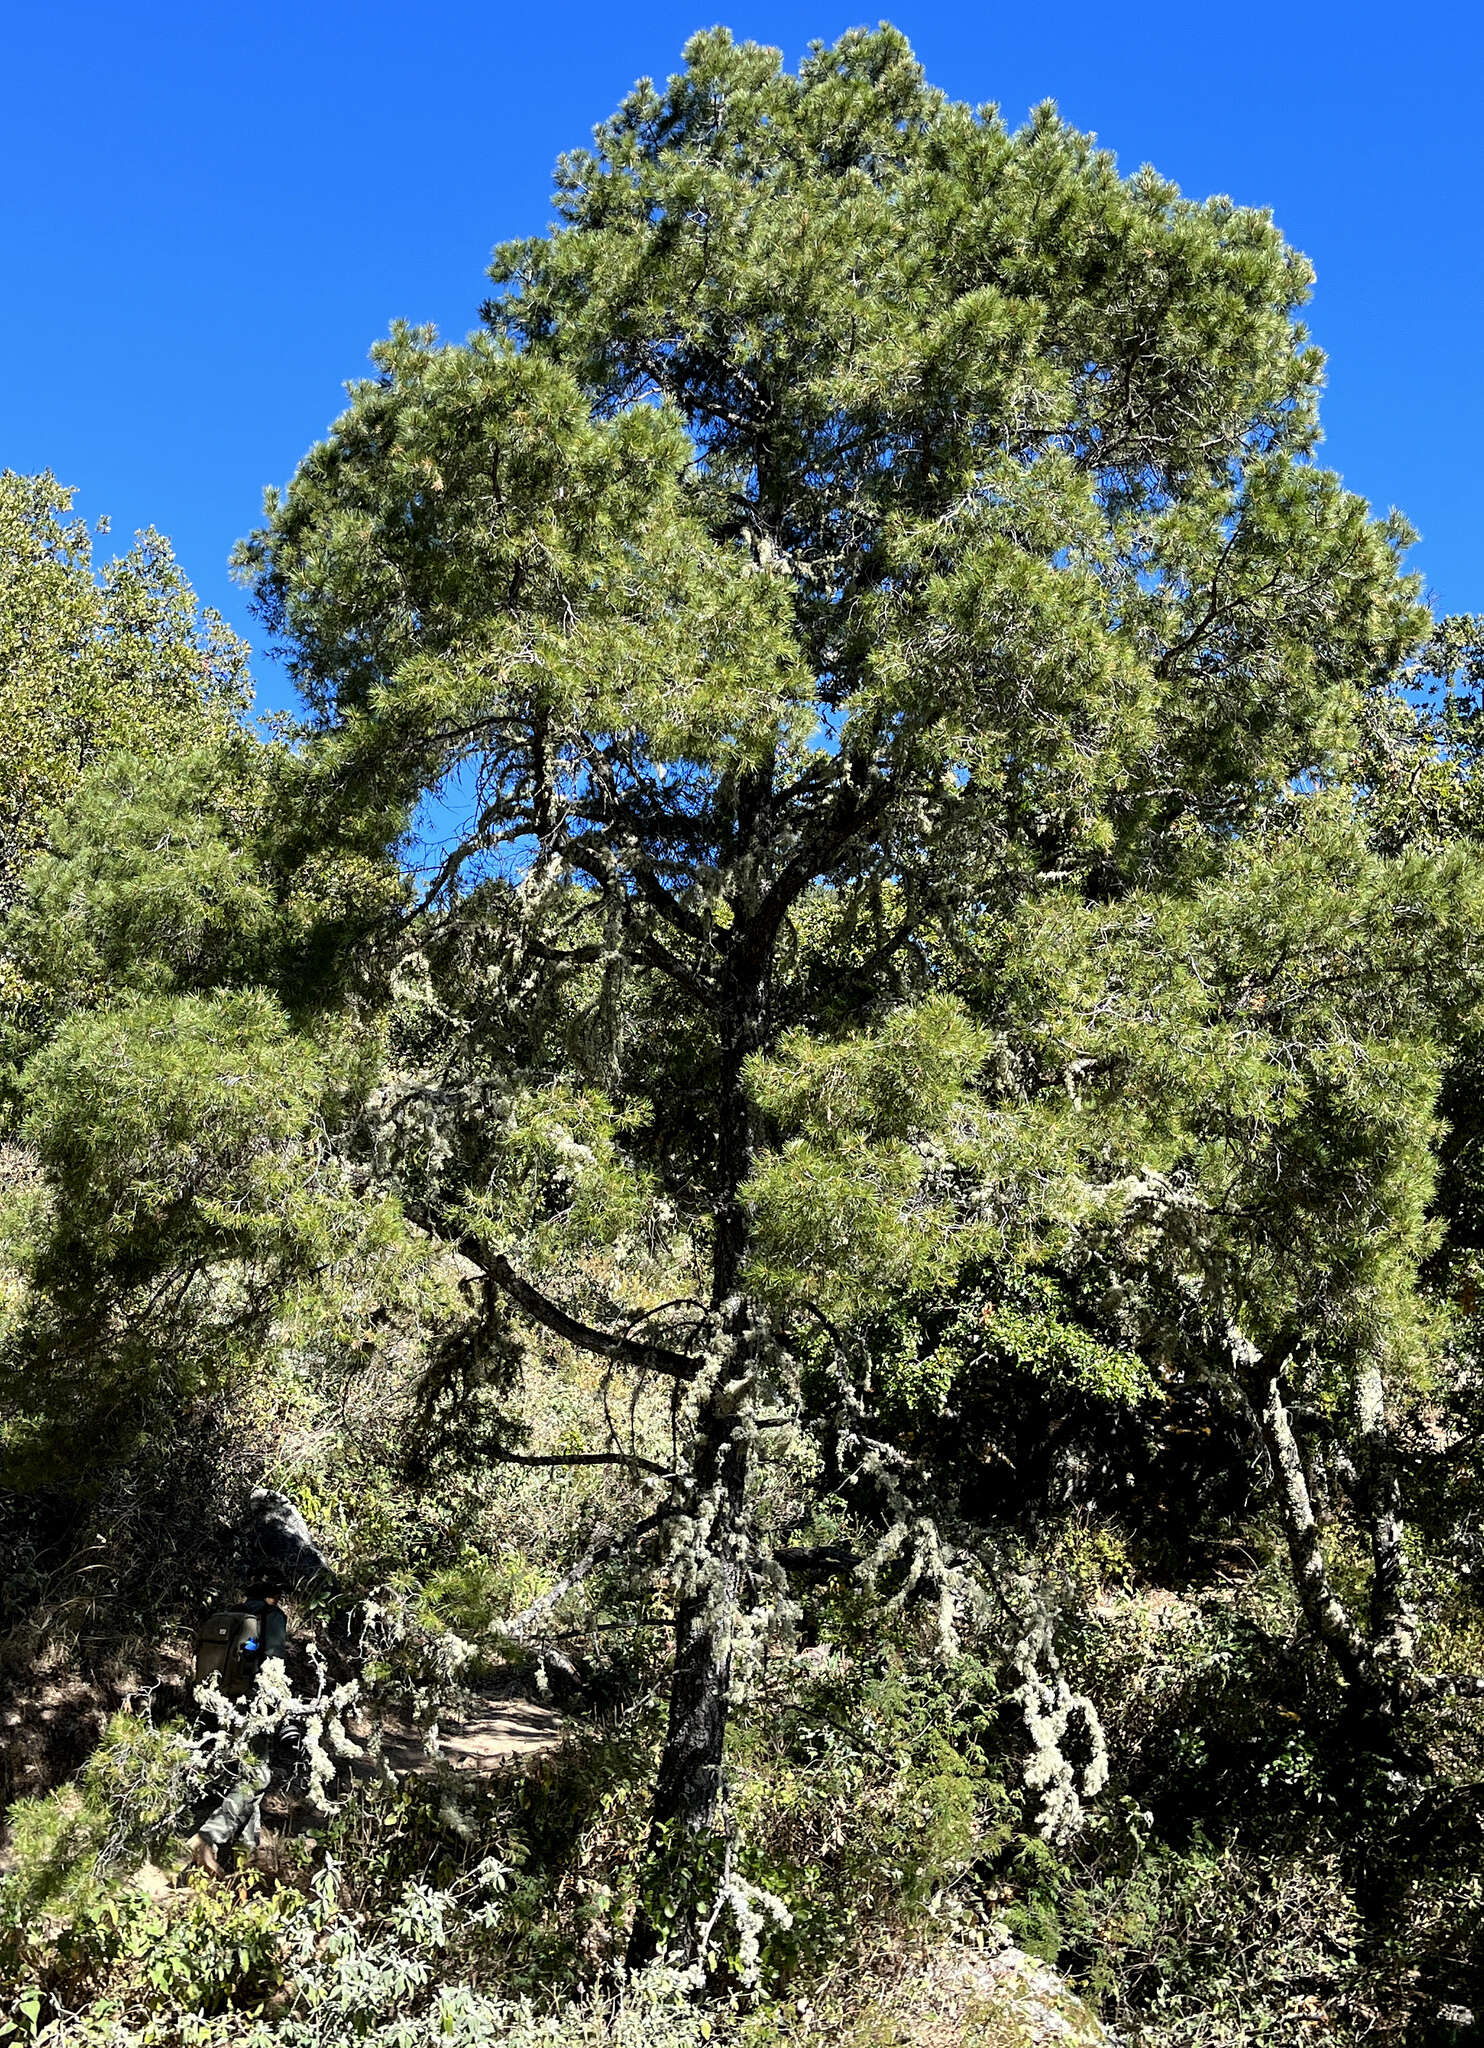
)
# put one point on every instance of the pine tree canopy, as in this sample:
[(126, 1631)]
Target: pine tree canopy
[(89, 665)]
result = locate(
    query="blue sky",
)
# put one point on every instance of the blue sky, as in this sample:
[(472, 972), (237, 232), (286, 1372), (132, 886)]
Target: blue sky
[(207, 214)]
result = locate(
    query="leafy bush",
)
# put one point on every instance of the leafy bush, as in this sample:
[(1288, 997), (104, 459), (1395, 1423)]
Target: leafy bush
[(860, 1799), (249, 1969)]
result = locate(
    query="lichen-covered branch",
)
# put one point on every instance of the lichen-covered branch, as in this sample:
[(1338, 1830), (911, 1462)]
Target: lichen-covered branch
[(1393, 1619)]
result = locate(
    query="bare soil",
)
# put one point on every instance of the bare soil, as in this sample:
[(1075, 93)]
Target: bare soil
[(494, 1736)]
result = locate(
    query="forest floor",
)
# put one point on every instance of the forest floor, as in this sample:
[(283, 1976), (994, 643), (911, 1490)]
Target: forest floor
[(494, 1735)]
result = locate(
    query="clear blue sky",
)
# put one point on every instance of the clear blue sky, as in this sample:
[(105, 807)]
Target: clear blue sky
[(208, 213)]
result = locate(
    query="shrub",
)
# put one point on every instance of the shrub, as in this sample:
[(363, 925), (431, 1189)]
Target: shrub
[(860, 1800), (123, 1805)]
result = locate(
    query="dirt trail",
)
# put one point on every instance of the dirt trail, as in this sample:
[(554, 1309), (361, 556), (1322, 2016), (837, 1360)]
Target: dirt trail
[(496, 1735)]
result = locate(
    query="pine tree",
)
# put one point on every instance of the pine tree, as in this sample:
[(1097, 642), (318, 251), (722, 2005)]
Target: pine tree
[(856, 523)]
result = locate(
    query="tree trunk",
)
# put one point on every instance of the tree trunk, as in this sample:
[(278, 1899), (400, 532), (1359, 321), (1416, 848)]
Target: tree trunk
[(688, 1787), (685, 1834), (1321, 1605), (1393, 1620), (1379, 1660), (684, 1856)]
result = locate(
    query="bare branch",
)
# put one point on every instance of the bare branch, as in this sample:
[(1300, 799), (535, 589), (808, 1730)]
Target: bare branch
[(631, 1460), (818, 1560), (630, 1351), (604, 1544), (855, 811)]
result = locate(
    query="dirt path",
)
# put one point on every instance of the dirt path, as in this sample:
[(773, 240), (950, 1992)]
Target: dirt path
[(496, 1735)]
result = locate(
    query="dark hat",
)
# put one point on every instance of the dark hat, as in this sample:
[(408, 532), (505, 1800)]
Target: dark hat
[(276, 1547)]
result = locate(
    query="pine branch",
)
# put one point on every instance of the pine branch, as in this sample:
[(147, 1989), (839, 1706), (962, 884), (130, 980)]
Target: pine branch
[(631, 1351), (630, 1460)]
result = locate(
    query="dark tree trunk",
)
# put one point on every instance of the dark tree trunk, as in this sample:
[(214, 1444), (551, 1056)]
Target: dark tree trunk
[(744, 1028), (688, 1787), (685, 1836), (685, 1828)]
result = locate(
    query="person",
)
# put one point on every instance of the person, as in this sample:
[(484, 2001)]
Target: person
[(237, 1821)]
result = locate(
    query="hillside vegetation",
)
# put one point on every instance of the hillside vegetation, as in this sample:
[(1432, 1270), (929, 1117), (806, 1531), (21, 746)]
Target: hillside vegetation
[(824, 1111)]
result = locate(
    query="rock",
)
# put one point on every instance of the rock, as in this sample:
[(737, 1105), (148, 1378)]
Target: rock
[(155, 1883), (1033, 1993)]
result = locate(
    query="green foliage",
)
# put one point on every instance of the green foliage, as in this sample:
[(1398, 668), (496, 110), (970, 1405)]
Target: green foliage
[(859, 1802), (1016, 661), (1251, 1070), (147, 885), (1033, 1330), (67, 1849), (89, 664), (474, 1596), (953, 341), (947, 994), (161, 1110), (857, 1202), (184, 1206), (911, 1076), (1227, 1948), (576, 502), (125, 1961), (1074, 648), (560, 1184)]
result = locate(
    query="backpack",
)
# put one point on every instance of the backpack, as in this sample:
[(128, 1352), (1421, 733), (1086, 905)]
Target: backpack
[(228, 1648)]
